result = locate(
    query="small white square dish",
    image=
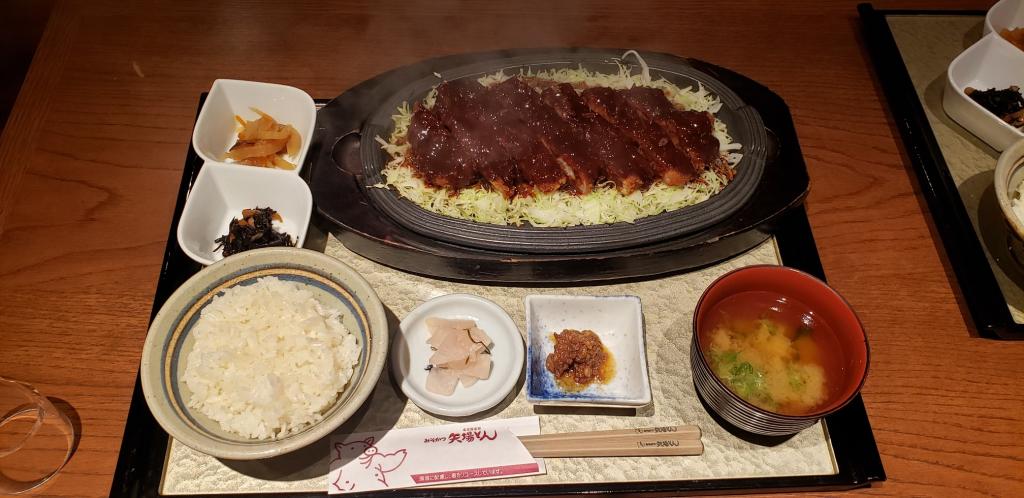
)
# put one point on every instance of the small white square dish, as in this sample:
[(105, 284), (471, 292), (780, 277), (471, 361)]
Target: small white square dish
[(1005, 14), (411, 355), (220, 194), (617, 321), (992, 62), (217, 130)]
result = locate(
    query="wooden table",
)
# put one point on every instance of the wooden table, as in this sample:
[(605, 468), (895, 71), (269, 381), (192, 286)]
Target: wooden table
[(92, 155)]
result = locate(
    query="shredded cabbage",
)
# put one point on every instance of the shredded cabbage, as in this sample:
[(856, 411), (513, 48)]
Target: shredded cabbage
[(556, 209), (604, 204)]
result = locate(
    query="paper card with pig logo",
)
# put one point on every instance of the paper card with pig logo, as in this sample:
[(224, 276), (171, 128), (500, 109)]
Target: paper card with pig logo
[(373, 465), (432, 455)]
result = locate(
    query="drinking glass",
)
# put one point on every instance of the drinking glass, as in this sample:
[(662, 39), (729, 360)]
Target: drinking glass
[(36, 439)]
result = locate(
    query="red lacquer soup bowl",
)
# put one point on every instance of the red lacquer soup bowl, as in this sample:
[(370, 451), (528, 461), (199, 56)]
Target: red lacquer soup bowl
[(840, 346)]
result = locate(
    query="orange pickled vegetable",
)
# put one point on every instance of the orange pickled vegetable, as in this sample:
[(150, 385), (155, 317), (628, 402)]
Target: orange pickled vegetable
[(1014, 36), (264, 142), (279, 162), (255, 148), (294, 140)]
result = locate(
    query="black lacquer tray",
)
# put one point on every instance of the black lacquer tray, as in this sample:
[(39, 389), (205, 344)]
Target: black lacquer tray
[(374, 223), (144, 445)]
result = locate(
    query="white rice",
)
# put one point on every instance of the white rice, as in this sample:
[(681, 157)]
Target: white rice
[(268, 359)]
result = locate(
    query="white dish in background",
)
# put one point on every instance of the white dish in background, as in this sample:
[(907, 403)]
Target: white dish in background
[(1005, 14), (216, 129), (992, 62), (220, 194), (617, 320), (410, 355)]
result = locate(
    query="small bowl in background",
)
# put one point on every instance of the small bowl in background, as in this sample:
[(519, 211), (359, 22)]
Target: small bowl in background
[(1005, 14), (826, 304), (992, 62), (169, 342), (617, 320), (220, 194), (216, 128), (1008, 177), (410, 355)]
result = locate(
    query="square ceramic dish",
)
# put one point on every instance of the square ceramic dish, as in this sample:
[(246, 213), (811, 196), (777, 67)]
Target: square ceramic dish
[(1005, 14), (618, 320), (222, 191), (992, 62), (216, 128)]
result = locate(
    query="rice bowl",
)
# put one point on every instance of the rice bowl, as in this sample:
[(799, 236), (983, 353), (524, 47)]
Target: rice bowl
[(303, 410), (268, 359)]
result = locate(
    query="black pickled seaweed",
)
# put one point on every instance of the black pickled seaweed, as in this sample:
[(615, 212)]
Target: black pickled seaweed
[(254, 230), (1007, 103)]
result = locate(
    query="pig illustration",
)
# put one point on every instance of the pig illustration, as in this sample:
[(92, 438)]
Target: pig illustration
[(366, 466)]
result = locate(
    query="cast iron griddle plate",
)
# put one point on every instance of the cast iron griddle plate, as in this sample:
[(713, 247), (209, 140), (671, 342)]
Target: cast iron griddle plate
[(336, 176), (743, 122)]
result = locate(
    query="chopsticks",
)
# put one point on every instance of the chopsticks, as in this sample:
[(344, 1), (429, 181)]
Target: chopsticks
[(676, 440)]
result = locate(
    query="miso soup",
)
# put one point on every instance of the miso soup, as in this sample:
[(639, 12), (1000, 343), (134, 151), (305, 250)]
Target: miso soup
[(773, 352)]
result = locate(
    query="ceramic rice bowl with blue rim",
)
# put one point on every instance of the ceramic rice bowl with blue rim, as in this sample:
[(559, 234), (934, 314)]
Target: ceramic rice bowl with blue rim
[(169, 341)]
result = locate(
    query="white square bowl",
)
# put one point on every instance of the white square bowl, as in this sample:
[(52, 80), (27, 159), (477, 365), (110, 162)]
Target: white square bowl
[(992, 62), (222, 191), (1005, 14), (216, 128), (618, 320)]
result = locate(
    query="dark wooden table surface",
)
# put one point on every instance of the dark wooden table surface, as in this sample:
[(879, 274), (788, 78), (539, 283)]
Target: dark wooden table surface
[(92, 155)]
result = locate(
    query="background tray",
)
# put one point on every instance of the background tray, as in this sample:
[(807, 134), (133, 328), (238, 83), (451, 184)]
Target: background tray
[(352, 213), (953, 167), (145, 446)]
